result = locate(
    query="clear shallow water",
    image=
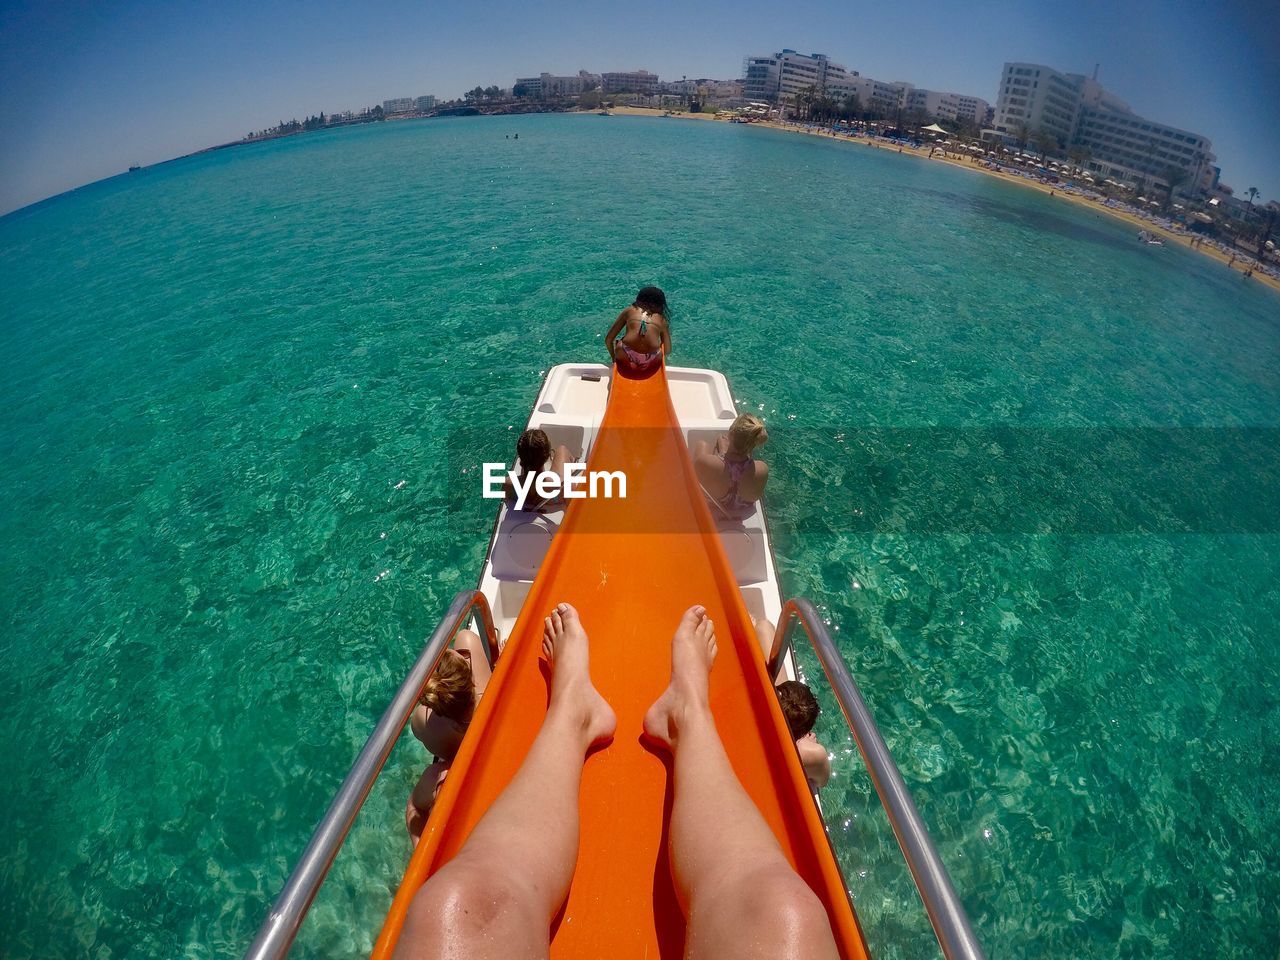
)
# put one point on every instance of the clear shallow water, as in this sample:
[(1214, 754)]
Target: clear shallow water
[(242, 390)]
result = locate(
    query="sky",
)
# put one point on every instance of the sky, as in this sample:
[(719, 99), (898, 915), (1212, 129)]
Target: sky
[(87, 89)]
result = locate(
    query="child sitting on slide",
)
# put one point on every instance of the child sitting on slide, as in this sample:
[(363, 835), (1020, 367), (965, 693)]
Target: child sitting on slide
[(648, 336)]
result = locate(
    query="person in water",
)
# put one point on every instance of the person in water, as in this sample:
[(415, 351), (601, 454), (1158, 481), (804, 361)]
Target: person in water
[(800, 709), (534, 456), (498, 896), (731, 477), (441, 719), (648, 335)]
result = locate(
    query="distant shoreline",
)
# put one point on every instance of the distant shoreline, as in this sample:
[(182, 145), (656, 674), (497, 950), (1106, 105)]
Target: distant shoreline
[(1179, 237)]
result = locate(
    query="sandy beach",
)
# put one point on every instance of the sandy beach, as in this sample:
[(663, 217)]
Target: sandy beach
[(1169, 236)]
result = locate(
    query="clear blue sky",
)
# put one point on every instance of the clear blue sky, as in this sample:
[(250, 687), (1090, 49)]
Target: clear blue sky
[(86, 88)]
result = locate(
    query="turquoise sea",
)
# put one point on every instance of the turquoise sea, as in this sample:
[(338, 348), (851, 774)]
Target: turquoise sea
[(1025, 463)]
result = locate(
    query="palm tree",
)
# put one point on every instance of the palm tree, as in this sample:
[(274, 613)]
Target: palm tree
[(803, 100), (852, 106), (1252, 192), (1020, 133), (1044, 142), (1174, 177), (1079, 156)]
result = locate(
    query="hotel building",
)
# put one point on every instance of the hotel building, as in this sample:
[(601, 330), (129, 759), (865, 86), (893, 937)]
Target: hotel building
[(550, 85), (399, 105), (1078, 112), (943, 106), (636, 81), (788, 73), (782, 75)]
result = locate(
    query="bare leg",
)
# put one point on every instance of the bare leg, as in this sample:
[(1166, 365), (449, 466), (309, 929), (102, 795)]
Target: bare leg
[(423, 797), (496, 898), (764, 635), (560, 457), (740, 894), (469, 643)]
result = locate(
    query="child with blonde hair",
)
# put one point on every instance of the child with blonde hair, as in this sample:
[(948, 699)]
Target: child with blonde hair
[(731, 477), (442, 716)]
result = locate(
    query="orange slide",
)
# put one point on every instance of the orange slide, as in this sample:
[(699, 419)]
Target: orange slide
[(631, 567)]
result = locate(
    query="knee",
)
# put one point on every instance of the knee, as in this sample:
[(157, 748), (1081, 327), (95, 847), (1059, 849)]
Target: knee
[(776, 906), (800, 916), (459, 900)]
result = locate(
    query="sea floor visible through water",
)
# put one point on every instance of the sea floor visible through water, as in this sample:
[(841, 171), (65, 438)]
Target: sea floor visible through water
[(1024, 464)]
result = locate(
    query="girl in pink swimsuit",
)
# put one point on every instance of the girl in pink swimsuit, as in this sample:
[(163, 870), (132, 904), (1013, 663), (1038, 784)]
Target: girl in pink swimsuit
[(732, 478), (647, 339)]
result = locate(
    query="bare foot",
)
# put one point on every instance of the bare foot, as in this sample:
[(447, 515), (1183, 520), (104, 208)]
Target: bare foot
[(566, 646), (693, 651)]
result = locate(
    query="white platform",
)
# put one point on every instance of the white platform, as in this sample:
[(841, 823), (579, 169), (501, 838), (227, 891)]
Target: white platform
[(570, 407)]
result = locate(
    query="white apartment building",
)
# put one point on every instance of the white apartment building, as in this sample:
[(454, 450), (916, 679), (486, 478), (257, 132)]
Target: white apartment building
[(971, 109), (760, 79), (781, 76), (568, 86), (1134, 148), (875, 95), (527, 87), (721, 89), (399, 105), (1079, 113), (1038, 98), (785, 74), (798, 72), (636, 81), (679, 88), (937, 105), (426, 102)]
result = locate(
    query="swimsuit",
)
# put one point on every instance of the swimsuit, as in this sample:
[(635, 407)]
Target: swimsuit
[(730, 501), (637, 361), (532, 502)]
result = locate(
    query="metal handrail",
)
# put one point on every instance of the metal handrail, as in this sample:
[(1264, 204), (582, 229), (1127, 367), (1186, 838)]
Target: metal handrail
[(277, 932), (947, 914)]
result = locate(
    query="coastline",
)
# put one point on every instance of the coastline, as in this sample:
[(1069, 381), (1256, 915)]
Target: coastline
[(1181, 238)]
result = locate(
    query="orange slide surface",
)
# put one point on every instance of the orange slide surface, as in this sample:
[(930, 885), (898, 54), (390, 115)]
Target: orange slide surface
[(631, 567)]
